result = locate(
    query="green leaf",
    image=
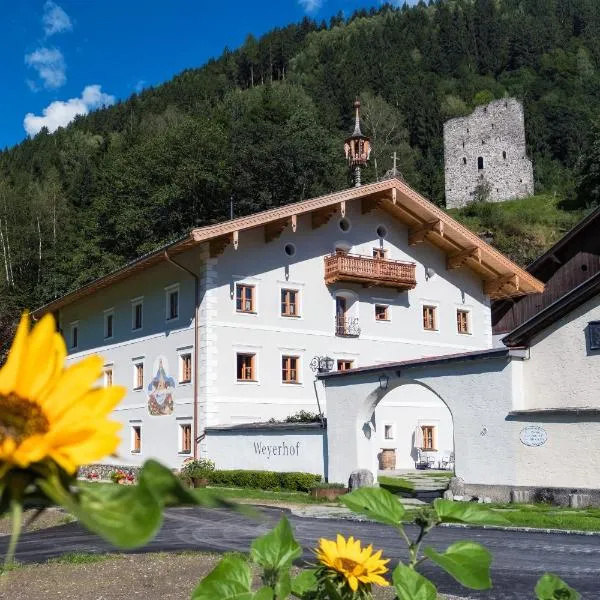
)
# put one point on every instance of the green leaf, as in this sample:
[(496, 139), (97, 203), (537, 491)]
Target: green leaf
[(375, 503), (468, 562), (283, 587), (551, 587), (265, 593), (304, 582), (411, 585), (467, 512), (277, 549), (127, 516), (231, 579)]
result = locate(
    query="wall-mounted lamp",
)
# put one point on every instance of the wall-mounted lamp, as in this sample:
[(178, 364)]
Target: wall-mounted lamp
[(429, 272), (321, 364), (383, 381)]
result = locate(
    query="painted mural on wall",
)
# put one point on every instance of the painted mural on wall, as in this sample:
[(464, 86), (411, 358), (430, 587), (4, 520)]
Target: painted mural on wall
[(161, 389)]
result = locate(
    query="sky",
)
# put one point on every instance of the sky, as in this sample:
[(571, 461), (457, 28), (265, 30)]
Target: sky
[(67, 57)]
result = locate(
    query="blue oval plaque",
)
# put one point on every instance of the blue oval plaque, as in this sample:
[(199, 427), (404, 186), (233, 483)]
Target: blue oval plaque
[(533, 435)]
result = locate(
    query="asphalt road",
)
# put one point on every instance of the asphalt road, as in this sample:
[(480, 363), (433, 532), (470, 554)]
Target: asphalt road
[(520, 558)]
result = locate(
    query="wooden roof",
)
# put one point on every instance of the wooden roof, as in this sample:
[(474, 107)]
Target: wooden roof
[(426, 222)]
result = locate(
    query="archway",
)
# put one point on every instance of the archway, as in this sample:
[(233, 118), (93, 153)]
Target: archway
[(413, 428)]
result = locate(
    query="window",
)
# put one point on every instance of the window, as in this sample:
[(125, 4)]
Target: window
[(379, 253), (462, 321), (138, 376), (289, 303), (289, 249), (480, 162), (185, 432), (244, 298), (388, 432), (345, 365), (464, 160), (137, 314), (109, 319), (429, 318), (382, 312), (246, 369), (172, 304), (594, 335), (136, 439), (108, 377), (289, 369), (74, 335), (428, 437), (344, 224), (504, 154), (186, 368)]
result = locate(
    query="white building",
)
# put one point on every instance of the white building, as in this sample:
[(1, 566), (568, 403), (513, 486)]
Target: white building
[(220, 327)]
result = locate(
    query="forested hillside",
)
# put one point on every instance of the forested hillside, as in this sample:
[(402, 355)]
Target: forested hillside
[(264, 124)]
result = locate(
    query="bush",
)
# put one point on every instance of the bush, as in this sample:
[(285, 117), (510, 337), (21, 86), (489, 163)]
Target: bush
[(264, 480), (198, 468), (325, 485)]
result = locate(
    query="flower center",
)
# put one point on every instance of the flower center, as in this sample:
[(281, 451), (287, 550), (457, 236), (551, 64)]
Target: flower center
[(20, 418), (348, 565)]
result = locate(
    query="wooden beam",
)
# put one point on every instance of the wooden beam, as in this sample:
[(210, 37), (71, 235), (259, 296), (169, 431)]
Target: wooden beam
[(321, 216), (394, 197), (343, 208), (294, 223), (369, 204), (459, 259), (274, 229), (502, 286), (217, 245), (419, 235), (236, 239)]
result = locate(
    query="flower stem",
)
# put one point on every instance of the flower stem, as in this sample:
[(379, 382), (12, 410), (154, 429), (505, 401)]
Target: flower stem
[(16, 510)]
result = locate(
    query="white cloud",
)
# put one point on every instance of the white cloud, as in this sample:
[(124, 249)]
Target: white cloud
[(311, 6), (55, 19), (139, 86), (50, 66), (60, 113)]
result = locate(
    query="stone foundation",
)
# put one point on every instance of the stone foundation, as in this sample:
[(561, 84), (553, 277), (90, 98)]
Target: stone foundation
[(103, 471), (574, 497)]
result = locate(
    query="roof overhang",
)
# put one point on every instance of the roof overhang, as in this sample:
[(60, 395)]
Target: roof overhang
[(426, 222)]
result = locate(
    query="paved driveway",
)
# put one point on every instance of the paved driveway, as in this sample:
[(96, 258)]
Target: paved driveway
[(519, 557)]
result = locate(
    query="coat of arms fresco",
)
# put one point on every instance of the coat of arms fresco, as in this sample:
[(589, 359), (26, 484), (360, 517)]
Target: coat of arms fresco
[(161, 389)]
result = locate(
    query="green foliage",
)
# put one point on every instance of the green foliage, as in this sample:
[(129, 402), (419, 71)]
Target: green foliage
[(551, 587), (375, 503), (411, 585), (467, 512), (197, 468), (264, 480), (127, 516), (231, 579), (468, 562)]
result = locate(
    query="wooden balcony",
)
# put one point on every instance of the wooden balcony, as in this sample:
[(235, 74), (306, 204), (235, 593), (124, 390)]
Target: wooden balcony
[(372, 272)]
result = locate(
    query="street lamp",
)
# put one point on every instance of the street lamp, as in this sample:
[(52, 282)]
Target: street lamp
[(383, 381), (321, 364)]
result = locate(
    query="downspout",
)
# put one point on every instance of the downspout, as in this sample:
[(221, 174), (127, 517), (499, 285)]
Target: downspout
[(196, 341)]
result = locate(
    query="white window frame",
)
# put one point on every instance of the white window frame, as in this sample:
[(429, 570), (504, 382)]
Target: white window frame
[(138, 360), (438, 319), (250, 282), (72, 326), (109, 312), (134, 303), (180, 353), (247, 350), (181, 423), (170, 289), (393, 430), (469, 312), (388, 306), (132, 425)]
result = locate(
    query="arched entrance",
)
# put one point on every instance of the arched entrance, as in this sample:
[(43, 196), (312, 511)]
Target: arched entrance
[(413, 429)]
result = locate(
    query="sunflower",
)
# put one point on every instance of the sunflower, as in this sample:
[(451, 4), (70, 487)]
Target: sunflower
[(355, 564), (49, 411)]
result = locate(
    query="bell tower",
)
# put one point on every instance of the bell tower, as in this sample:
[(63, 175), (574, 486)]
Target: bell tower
[(357, 147)]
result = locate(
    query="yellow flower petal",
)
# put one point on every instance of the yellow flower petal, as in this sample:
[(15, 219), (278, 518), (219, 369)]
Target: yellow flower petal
[(10, 371)]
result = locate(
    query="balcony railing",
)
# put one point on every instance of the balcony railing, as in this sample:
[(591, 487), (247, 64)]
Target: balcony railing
[(346, 326), (378, 272)]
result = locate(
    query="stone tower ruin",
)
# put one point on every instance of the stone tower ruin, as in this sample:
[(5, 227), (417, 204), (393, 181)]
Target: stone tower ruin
[(487, 149)]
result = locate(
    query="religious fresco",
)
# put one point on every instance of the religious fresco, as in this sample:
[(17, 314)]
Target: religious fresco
[(161, 389)]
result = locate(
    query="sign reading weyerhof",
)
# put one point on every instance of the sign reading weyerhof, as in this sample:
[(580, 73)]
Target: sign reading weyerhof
[(283, 449), (533, 435)]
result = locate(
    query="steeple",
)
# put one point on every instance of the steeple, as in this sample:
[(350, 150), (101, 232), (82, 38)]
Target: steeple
[(357, 147)]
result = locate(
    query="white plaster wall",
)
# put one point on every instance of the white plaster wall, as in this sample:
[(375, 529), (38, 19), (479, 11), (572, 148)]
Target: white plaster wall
[(268, 450), (269, 335), (405, 408), (160, 434), (562, 372)]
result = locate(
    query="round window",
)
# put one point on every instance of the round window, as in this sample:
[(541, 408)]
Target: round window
[(344, 224), (382, 231), (290, 249)]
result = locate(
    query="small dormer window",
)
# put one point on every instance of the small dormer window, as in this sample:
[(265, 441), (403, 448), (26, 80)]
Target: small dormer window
[(480, 162), (594, 335)]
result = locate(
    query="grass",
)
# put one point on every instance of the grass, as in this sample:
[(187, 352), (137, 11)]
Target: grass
[(271, 496), (81, 558), (397, 485)]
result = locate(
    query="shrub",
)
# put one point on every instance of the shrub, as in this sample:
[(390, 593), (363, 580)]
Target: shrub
[(326, 485), (264, 480), (198, 468)]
